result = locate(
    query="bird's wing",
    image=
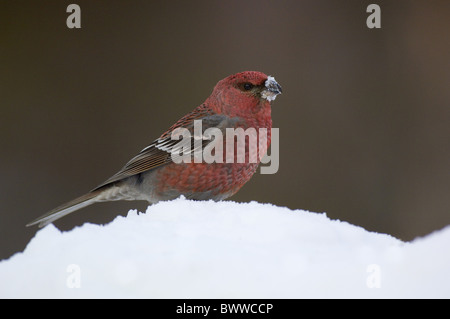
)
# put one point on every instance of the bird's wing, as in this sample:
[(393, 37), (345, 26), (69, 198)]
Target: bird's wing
[(159, 152)]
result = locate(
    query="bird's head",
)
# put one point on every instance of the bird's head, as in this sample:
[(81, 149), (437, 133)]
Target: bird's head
[(247, 92)]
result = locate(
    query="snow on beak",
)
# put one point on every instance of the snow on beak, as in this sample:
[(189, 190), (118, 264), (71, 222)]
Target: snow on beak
[(272, 89)]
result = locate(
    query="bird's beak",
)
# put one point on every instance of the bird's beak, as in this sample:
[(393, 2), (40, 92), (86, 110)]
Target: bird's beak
[(272, 89)]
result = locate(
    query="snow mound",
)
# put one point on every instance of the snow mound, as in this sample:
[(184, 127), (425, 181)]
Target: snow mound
[(195, 249)]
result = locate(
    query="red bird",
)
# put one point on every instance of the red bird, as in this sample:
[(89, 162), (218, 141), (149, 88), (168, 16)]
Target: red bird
[(239, 101)]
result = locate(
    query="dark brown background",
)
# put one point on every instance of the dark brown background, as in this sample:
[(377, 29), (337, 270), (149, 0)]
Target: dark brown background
[(364, 118)]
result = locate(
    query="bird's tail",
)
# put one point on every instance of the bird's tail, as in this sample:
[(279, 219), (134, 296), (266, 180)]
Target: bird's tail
[(67, 208)]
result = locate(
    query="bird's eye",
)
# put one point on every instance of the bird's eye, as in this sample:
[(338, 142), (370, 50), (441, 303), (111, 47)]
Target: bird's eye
[(248, 86)]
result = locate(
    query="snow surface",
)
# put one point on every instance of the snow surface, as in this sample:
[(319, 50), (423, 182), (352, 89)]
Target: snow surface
[(195, 249)]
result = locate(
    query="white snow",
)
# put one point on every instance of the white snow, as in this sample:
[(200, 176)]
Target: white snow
[(195, 249)]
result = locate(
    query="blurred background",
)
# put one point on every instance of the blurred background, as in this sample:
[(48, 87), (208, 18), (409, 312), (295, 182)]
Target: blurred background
[(364, 118)]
